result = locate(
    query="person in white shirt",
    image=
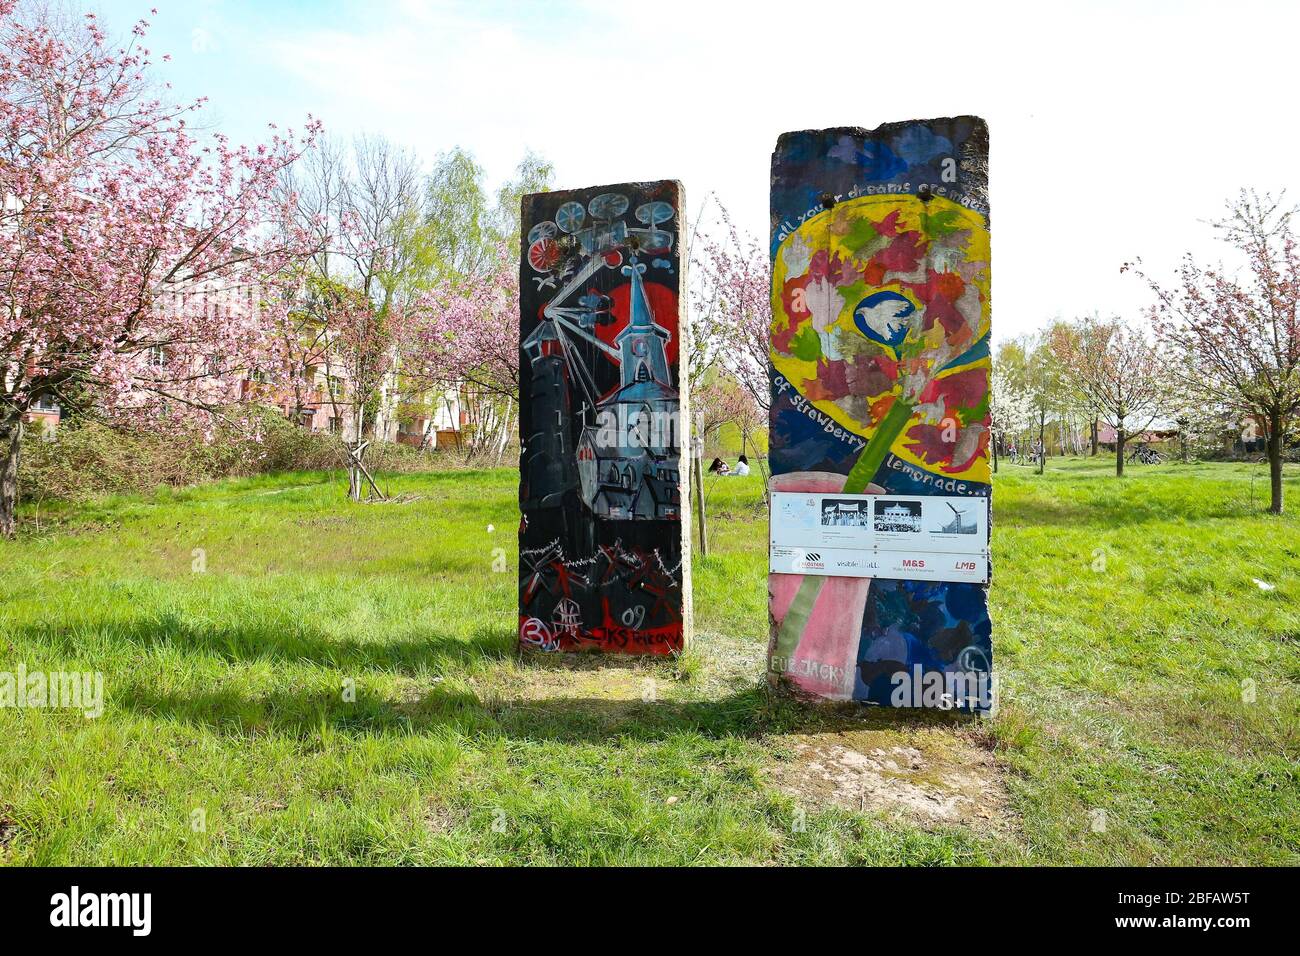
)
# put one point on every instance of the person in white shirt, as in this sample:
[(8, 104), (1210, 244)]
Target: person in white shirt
[(742, 467)]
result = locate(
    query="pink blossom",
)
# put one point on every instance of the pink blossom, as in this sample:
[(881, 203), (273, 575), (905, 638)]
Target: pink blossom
[(138, 267)]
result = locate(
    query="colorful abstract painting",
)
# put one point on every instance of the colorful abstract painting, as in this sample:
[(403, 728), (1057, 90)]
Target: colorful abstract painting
[(880, 381), (603, 560)]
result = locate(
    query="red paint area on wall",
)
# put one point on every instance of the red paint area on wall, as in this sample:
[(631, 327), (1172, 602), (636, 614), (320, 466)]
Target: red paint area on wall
[(663, 304)]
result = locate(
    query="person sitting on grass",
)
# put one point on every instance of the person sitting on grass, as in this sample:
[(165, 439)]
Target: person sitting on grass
[(719, 467), (742, 467)]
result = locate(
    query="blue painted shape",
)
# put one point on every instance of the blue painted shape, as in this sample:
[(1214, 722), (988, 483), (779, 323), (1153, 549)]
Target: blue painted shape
[(882, 317)]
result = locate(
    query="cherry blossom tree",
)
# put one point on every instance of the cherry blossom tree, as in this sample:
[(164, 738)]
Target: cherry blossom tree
[(138, 265), (1118, 371), (465, 337), (360, 347), (733, 305), (1078, 409), (709, 406), (1241, 327), (719, 401), (363, 204), (731, 326)]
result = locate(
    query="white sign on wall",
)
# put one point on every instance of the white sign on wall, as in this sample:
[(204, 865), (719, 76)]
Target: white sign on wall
[(916, 538)]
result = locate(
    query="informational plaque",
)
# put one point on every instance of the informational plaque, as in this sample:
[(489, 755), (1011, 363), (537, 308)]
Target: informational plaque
[(880, 536)]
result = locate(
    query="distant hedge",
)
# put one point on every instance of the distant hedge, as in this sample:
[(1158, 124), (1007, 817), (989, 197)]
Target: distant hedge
[(88, 459)]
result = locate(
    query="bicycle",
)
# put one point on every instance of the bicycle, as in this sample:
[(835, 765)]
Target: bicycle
[(1146, 456)]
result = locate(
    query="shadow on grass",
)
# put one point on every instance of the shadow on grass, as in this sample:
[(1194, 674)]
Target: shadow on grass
[(295, 642), (538, 660), (306, 714)]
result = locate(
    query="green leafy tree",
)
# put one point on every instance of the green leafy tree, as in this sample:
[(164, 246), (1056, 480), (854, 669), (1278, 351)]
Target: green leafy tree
[(456, 216), (461, 227), (1028, 366), (533, 175)]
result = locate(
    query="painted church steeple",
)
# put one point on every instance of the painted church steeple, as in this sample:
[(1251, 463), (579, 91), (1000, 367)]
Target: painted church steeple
[(641, 342)]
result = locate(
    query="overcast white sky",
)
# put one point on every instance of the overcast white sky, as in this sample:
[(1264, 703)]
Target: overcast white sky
[(1117, 127)]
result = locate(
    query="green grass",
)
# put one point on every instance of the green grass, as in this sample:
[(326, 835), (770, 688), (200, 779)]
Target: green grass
[(1126, 620)]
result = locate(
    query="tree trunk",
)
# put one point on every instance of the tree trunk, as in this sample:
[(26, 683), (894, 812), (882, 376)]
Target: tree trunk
[(1042, 441), (697, 467), (994, 444), (1120, 438), (354, 460), (1094, 437), (1275, 463), (11, 433), (505, 430)]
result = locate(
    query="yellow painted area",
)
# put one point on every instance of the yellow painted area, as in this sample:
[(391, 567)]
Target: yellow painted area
[(954, 238)]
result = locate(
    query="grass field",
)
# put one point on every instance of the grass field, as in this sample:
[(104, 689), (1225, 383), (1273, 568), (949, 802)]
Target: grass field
[(227, 619)]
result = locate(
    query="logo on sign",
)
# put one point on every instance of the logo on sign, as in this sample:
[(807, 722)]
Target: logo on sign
[(812, 561)]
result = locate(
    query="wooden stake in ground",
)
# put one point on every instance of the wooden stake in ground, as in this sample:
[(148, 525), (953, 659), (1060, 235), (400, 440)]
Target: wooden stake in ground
[(698, 469), (357, 470)]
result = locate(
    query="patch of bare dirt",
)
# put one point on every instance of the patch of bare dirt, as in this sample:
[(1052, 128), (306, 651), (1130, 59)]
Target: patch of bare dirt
[(8, 830), (402, 498), (580, 676), (440, 818), (713, 667), (932, 778), (727, 663)]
